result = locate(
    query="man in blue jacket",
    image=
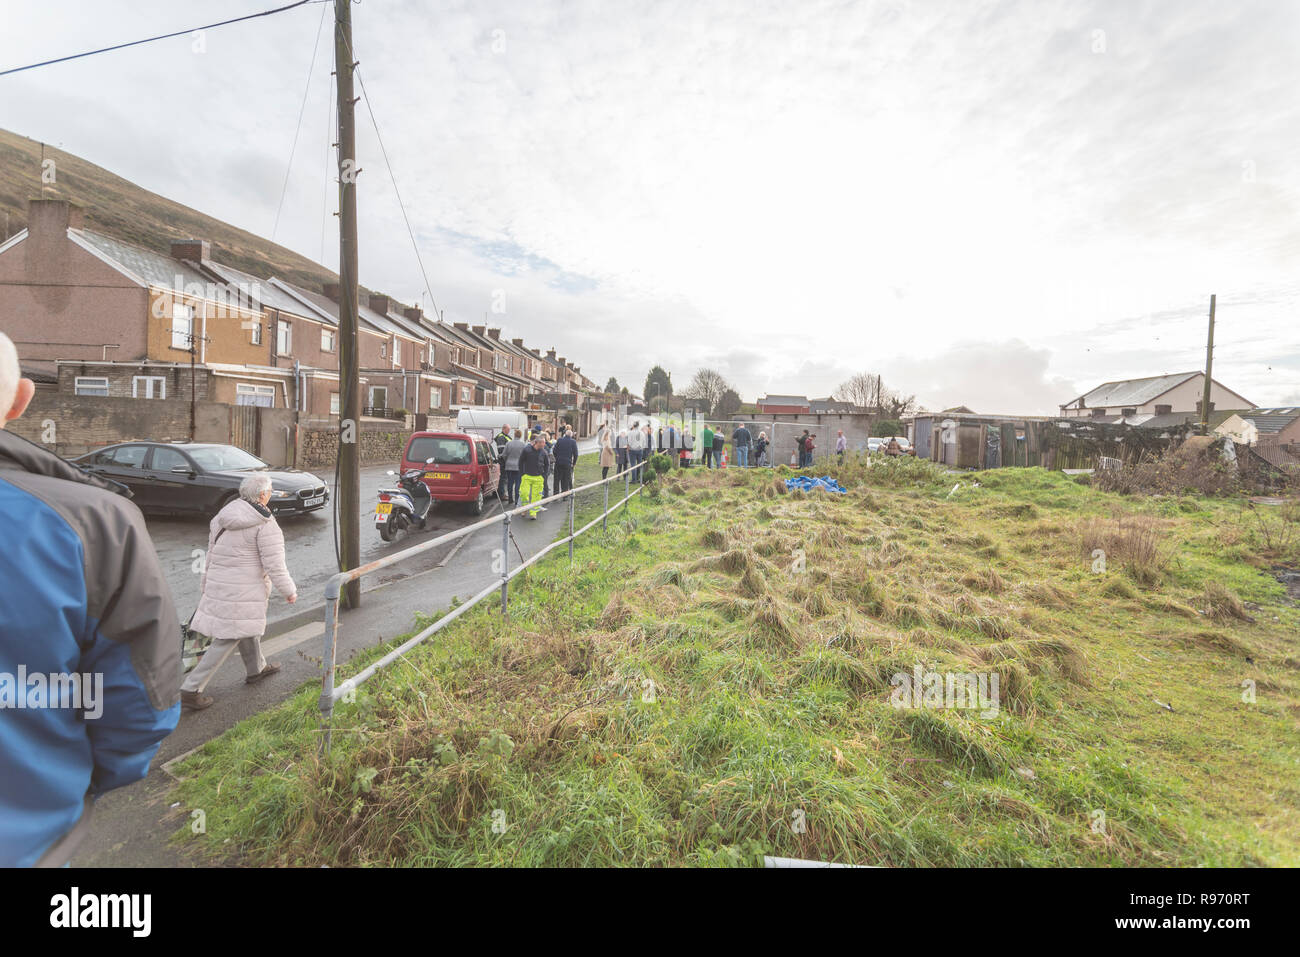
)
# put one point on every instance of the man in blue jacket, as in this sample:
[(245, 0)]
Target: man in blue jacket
[(90, 666), (566, 457)]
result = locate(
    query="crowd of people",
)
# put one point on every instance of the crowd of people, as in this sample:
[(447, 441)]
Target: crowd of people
[(528, 466)]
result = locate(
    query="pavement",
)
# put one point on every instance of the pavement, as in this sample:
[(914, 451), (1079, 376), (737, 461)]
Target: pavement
[(132, 825)]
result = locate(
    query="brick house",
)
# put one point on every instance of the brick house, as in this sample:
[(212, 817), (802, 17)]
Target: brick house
[(1133, 399)]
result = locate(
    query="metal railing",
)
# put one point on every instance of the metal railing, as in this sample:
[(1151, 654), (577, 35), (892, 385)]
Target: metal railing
[(330, 693)]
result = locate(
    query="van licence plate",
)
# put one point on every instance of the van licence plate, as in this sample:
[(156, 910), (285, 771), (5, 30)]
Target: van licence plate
[(440, 475)]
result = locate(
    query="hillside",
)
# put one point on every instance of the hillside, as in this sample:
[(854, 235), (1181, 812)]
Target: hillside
[(716, 677), (120, 208)]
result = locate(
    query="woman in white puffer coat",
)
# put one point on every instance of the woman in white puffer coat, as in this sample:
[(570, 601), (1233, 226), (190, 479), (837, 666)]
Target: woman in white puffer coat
[(245, 556)]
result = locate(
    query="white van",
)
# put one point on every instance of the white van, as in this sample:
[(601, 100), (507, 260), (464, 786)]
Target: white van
[(487, 422)]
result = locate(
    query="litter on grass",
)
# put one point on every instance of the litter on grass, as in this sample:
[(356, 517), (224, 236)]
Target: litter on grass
[(808, 484)]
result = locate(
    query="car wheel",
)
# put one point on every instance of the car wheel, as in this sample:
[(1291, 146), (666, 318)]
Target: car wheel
[(476, 506)]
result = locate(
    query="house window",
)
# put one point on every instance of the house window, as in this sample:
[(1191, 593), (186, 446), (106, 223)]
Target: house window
[(435, 399), (455, 354), (466, 393), (327, 340), (283, 337), (256, 329), (383, 350), (1164, 409), (397, 351), (263, 395), (334, 403), (148, 387), (182, 325), (1098, 413), (90, 385), (378, 397), (1127, 412)]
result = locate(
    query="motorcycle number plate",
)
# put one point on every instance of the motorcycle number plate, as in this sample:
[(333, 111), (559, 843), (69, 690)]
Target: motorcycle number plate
[(439, 475), (383, 508)]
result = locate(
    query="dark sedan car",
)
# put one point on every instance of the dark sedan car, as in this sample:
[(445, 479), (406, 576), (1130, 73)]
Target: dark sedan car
[(198, 477)]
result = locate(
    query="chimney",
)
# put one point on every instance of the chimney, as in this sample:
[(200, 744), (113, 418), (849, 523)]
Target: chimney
[(518, 342), (47, 218), (479, 330), (332, 291), (194, 250), (462, 326), (414, 313), (550, 354), (378, 303), (562, 360), (495, 334)]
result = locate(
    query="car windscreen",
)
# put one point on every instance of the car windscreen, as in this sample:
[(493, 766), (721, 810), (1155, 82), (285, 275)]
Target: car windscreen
[(216, 458), (442, 451)]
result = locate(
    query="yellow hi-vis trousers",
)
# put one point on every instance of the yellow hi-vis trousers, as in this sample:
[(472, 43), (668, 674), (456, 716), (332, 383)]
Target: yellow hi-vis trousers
[(530, 490)]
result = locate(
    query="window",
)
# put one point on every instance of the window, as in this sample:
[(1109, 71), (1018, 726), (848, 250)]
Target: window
[(256, 329), (182, 325), (165, 459), (263, 395), (284, 337), (334, 403), (148, 387), (1098, 413), (466, 393), (455, 354), (383, 350), (1128, 412), (90, 385), (1164, 409), (441, 451), (397, 351), (327, 340), (125, 456), (435, 399)]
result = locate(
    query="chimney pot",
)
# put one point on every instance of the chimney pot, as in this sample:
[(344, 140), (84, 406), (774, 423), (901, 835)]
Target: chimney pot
[(495, 333), (414, 313), (332, 291)]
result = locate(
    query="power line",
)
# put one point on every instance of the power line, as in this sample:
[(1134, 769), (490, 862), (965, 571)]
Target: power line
[(284, 190), (165, 36), (400, 204)]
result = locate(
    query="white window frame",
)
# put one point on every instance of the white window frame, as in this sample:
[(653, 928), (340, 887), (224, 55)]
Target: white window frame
[(256, 330), (283, 337), (467, 397), (327, 335), (254, 389), (397, 351), (383, 350), (77, 385), (334, 403), (149, 390), (182, 313), (435, 398)]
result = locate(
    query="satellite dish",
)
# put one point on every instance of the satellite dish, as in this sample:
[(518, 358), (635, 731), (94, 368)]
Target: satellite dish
[(947, 424)]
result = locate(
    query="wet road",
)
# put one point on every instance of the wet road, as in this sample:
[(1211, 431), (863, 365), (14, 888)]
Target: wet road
[(309, 545)]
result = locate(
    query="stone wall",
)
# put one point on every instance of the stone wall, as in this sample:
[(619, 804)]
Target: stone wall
[(381, 443), (71, 425)]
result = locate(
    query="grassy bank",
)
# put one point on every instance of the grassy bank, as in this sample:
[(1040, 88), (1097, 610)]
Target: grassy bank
[(711, 681)]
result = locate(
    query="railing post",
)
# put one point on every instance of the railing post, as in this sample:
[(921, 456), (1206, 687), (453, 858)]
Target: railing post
[(505, 567), (627, 488), (327, 667), (604, 516), (573, 498)]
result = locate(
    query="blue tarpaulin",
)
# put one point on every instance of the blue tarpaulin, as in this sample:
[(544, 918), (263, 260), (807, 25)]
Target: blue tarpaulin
[(808, 484)]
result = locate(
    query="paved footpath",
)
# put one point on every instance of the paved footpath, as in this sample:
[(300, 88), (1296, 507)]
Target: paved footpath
[(131, 825)]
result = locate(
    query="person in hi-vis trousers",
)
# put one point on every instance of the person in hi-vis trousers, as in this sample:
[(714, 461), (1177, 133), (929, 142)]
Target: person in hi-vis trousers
[(532, 467)]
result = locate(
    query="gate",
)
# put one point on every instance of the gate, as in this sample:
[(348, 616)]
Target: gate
[(243, 427)]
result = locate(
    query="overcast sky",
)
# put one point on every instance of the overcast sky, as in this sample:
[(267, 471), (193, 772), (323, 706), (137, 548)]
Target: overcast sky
[(995, 204)]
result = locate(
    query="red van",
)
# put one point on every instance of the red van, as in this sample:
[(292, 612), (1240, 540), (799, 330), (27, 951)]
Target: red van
[(459, 467)]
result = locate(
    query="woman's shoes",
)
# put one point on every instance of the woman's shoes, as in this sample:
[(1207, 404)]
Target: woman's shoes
[(195, 700), (264, 673)]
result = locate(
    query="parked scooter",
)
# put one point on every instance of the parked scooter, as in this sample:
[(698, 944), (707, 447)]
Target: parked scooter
[(401, 509)]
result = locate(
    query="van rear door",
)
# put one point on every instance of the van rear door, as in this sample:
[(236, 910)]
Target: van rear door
[(452, 472)]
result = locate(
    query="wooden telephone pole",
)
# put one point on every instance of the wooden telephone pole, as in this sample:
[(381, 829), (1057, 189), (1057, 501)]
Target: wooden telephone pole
[(1209, 364), (349, 484)]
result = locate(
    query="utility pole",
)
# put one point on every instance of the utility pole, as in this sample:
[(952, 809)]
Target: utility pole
[(349, 487), (1209, 363)]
